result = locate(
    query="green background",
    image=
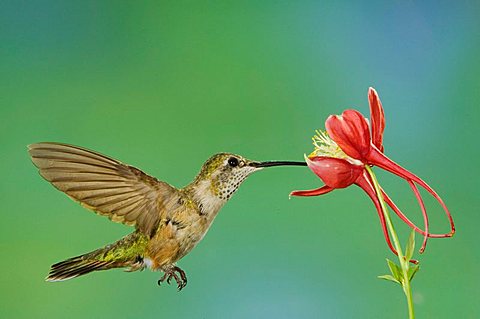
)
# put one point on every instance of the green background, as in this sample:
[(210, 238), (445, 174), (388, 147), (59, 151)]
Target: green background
[(162, 86)]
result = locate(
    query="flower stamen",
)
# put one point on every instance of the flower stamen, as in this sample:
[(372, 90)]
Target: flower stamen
[(325, 146)]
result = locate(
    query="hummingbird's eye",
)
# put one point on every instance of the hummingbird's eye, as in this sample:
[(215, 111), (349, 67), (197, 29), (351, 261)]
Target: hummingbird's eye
[(232, 161)]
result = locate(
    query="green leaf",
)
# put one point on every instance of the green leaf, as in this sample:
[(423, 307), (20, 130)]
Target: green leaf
[(395, 270), (412, 271), (389, 278), (410, 246)]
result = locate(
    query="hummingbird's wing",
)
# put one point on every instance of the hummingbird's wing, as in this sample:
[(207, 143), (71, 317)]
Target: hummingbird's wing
[(122, 193)]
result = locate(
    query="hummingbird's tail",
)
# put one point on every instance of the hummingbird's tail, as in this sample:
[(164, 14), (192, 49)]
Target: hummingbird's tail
[(127, 252), (74, 267)]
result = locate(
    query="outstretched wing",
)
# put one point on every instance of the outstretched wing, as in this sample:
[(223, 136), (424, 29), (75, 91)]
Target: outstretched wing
[(122, 193)]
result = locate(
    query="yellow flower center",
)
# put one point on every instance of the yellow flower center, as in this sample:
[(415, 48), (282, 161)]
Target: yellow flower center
[(325, 146)]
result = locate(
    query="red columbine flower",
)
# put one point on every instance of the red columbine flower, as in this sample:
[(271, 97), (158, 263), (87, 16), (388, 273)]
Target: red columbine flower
[(340, 157)]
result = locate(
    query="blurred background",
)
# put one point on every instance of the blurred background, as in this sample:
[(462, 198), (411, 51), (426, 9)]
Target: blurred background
[(164, 85)]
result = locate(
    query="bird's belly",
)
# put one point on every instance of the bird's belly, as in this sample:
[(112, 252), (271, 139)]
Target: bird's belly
[(167, 248)]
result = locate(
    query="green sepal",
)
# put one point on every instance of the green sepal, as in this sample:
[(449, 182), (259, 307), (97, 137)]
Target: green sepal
[(395, 270), (412, 271), (410, 245), (389, 278)]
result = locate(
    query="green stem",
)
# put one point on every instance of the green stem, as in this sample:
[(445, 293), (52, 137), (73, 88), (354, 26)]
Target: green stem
[(396, 243)]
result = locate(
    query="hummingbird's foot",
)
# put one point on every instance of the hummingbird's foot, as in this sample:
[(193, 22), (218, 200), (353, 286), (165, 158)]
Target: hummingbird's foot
[(170, 273)]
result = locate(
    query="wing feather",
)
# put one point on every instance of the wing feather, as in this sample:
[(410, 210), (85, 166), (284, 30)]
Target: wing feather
[(121, 192)]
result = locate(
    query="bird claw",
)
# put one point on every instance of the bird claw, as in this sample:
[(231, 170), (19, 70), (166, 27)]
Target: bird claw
[(180, 278)]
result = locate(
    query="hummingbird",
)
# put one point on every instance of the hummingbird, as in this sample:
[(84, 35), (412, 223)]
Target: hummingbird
[(169, 222)]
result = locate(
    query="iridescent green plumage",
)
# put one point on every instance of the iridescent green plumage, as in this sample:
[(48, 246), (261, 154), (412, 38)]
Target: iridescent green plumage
[(127, 252)]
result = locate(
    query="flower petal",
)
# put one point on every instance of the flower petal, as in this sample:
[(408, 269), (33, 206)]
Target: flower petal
[(405, 219), (424, 213), (377, 118), (379, 159), (334, 172), (350, 131), (364, 183), (314, 192), (400, 214)]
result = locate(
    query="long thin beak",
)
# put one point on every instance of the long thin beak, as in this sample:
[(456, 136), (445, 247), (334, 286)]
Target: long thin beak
[(276, 163)]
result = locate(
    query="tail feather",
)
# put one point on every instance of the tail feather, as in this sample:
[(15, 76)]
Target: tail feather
[(126, 252), (75, 267)]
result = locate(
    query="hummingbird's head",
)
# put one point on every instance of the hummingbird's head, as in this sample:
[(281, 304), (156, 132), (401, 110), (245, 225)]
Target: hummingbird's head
[(222, 174)]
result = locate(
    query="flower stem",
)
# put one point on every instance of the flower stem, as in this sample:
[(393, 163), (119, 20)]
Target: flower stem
[(401, 258)]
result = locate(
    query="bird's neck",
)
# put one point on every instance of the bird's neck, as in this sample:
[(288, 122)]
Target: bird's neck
[(206, 197)]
